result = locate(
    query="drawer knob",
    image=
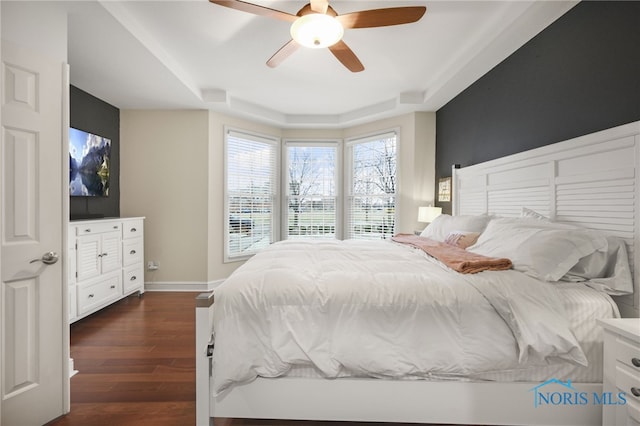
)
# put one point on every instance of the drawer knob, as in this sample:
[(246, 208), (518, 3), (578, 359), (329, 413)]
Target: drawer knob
[(635, 391), (113, 286), (635, 362), (132, 252), (91, 295), (133, 229), (87, 230), (133, 278)]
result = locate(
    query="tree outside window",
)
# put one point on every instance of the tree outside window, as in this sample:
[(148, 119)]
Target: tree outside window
[(372, 207), (311, 190)]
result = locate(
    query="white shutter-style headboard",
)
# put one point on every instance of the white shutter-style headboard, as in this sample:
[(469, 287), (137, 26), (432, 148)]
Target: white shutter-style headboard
[(591, 180)]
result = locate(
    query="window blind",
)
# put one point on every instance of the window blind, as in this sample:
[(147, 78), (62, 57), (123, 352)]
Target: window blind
[(371, 204), (310, 185), (251, 190)]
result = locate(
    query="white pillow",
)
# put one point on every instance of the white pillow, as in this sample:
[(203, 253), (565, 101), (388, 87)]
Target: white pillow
[(605, 270), (445, 224), (544, 250)]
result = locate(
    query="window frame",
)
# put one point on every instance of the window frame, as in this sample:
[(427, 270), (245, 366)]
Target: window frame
[(279, 197), (284, 193), (349, 178), (275, 143)]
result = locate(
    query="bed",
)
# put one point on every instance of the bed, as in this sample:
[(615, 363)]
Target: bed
[(264, 362)]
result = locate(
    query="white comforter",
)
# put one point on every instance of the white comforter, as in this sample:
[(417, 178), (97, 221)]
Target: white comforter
[(384, 310)]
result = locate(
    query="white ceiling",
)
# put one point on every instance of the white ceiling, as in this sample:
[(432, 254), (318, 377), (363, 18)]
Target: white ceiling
[(158, 54)]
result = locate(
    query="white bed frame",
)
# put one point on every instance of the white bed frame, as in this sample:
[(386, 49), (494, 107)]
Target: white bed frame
[(592, 180)]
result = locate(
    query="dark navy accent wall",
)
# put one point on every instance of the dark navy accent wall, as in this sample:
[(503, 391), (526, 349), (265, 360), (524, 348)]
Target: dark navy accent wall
[(95, 116), (579, 75)]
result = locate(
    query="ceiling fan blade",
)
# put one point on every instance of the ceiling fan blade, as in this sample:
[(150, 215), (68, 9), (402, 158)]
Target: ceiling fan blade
[(319, 6), (255, 9), (282, 54), (345, 55), (382, 17)]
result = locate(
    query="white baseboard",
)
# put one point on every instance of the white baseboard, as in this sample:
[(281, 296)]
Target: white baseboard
[(194, 286)]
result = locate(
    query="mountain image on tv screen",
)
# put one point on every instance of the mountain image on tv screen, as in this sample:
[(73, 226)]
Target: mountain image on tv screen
[(88, 164)]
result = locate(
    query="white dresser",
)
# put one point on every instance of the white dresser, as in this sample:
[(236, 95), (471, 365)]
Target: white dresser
[(106, 263), (622, 371)]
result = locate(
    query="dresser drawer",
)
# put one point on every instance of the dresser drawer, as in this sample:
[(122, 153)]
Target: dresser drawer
[(628, 353), (628, 381), (97, 228), (133, 278), (132, 251), (633, 411), (132, 229), (95, 294)]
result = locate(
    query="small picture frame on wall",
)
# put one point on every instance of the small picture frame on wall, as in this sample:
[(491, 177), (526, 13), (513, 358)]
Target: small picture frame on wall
[(444, 190)]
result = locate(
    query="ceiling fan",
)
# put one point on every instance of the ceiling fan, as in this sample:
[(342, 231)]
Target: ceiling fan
[(318, 25)]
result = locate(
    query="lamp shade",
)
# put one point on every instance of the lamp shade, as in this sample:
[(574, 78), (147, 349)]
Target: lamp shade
[(427, 214)]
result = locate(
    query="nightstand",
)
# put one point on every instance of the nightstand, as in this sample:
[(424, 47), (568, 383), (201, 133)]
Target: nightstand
[(621, 370)]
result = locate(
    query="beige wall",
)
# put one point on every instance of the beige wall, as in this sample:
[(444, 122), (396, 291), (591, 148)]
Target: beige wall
[(164, 176), (183, 195), (423, 179)]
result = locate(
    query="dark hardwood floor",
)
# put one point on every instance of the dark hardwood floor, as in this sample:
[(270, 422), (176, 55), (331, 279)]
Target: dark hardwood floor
[(136, 363)]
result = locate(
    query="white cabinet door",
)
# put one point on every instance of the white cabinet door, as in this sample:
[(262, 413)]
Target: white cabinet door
[(98, 254), (110, 256), (88, 255)]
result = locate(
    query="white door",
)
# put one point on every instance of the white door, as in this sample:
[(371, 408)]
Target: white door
[(32, 322)]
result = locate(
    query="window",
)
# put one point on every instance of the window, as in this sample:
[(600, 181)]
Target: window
[(313, 202), (371, 205), (310, 188), (251, 189)]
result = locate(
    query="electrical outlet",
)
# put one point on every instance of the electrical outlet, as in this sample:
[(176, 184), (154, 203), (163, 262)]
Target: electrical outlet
[(152, 265)]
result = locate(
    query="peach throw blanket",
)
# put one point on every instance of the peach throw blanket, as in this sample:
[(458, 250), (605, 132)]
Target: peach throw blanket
[(455, 258)]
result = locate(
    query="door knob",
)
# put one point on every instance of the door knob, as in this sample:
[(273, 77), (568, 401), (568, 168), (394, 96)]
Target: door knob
[(48, 258)]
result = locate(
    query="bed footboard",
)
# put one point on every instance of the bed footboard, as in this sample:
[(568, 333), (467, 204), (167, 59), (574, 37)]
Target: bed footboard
[(413, 401), (204, 328)]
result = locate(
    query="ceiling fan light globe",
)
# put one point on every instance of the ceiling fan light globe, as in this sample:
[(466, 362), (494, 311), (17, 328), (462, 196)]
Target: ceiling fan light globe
[(317, 30)]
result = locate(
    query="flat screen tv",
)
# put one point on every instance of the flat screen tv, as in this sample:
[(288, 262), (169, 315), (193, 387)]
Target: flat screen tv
[(89, 157)]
